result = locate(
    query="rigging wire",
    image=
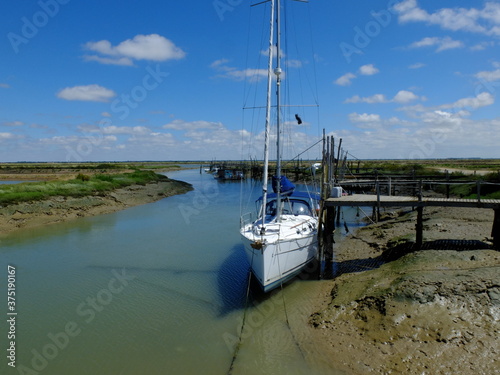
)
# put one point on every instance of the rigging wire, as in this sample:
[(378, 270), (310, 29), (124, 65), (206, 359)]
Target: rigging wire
[(296, 71), (246, 99), (250, 93)]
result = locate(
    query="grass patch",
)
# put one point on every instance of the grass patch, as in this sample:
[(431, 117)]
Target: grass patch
[(394, 167), (82, 185)]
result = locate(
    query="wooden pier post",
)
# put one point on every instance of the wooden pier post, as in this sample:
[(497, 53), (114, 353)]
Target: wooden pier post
[(329, 225), (495, 231), (420, 228), (377, 188), (420, 219), (448, 185)]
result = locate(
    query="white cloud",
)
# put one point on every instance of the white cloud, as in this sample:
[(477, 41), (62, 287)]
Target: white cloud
[(219, 63), (250, 74), (124, 61), (376, 122), (368, 70), (364, 117), (293, 63), (4, 85), (192, 125), (483, 99), (453, 111), (13, 123), (482, 46), (62, 141), (265, 52), (89, 93), (113, 129), (117, 130), (345, 80), (6, 136), (39, 126), (416, 66), (153, 140), (489, 76), (442, 44), (377, 98), (485, 21), (438, 134), (402, 96), (142, 47), (443, 119), (232, 73)]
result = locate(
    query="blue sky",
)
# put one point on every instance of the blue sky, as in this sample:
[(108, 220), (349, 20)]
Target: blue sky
[(156, 80)]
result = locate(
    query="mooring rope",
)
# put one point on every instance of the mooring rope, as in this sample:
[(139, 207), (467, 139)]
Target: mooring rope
[(286, 312), (238, 345), (237, 348), (366, 215)]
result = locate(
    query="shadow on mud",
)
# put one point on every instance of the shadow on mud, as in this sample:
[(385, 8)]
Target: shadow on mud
[(400, 250)]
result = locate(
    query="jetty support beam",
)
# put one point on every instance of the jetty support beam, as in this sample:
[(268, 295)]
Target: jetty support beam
[(420, 219), (420, 228), (329, 231), (495, 232)]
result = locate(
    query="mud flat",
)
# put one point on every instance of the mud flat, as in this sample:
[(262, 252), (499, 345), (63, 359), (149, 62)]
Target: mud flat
[(59, 209), (393, 310)]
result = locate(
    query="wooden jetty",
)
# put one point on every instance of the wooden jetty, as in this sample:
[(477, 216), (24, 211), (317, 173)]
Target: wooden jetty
[(333, 176), (298, 170), (366, 200), (377, 201)]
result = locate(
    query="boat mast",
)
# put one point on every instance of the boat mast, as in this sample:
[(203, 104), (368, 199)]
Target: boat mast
[(277, 72), (265, 176)]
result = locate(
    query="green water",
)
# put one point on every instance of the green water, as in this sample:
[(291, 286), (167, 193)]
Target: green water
[(154, 289)]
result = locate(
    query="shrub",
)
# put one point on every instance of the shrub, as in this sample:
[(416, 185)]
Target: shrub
[(83, 177)]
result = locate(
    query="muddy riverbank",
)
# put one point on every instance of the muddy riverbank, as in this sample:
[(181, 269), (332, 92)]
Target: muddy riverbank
[(393, 310), (59, 209)]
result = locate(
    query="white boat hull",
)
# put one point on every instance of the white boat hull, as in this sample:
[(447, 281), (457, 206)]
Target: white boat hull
[(286, 249)]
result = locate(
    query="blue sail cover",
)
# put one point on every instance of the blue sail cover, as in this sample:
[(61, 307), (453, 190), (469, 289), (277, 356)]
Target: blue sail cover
[(286, 186)]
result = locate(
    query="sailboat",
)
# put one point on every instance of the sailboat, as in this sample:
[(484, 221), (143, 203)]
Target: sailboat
[(283, 238)]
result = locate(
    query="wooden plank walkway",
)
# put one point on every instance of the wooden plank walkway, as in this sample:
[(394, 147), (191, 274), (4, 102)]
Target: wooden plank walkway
[(367, 200)]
